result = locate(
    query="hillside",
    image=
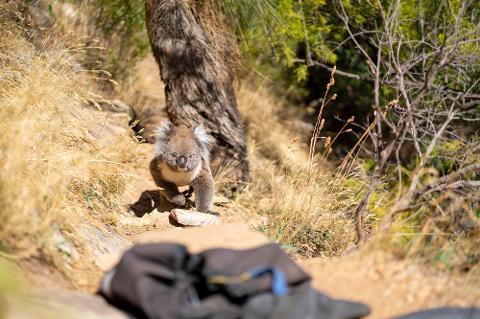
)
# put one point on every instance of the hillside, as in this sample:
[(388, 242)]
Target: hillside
[(73, 161)]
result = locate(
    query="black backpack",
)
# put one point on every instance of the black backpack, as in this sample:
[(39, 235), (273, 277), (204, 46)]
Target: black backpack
[(163, 281)]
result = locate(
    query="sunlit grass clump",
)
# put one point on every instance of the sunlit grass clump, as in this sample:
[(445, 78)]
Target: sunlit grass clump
[(49, 164), (307, 207)]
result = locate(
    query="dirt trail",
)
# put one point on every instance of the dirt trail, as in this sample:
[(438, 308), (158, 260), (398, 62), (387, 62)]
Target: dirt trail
[(388, 285)]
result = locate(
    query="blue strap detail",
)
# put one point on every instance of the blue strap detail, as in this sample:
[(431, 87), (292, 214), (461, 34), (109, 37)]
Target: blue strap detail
[(279, 281)]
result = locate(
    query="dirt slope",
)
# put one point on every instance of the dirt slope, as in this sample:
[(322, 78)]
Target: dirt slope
[(388, 285)]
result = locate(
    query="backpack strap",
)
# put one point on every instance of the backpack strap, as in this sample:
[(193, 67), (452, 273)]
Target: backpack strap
[(279, 281)]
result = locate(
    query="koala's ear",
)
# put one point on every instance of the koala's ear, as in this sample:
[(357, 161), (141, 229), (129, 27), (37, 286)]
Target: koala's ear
[(163, 131), (203, 137)]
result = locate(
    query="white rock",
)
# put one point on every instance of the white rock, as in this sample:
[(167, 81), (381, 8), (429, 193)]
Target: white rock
[(193, 218)]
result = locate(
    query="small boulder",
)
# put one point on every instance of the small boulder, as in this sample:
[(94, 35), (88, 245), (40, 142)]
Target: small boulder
[(194, 218)]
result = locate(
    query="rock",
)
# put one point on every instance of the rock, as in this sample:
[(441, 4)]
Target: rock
[(38, 17), (69, 11), (193, 218), (60, 304), (103, 244), (106, 127), (110, 120), (65, 246), (102, 241), (113, 106)]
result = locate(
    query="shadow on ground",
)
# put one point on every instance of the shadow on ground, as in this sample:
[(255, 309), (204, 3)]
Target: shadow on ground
[(150, 200)]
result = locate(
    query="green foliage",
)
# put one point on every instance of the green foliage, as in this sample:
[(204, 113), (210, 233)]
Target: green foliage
[(405, 230), (290, 41), (447, 156), (282, 33), (368, 164), (120, 25), (301, 73), (377, 206), (10, 285)]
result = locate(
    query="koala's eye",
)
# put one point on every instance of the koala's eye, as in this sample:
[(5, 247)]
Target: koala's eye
[(173, 154), (192, 156)]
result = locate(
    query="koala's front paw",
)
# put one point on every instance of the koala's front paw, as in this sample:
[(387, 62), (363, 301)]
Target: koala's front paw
[(177, 199), (211, 212), (206, 210)]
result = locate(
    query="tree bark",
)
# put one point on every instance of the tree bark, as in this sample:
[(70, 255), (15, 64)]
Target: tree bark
[(198, 83)]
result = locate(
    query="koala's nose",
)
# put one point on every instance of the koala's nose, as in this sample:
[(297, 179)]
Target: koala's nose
[(182, 162)]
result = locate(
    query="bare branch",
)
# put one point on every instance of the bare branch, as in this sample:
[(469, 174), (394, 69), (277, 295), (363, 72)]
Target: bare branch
[(330, 69), (450, 178)]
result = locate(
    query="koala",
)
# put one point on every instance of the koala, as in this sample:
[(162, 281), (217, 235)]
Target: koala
[(182, 158)]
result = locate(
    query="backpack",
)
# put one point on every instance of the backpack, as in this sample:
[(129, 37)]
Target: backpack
[(164, 281)]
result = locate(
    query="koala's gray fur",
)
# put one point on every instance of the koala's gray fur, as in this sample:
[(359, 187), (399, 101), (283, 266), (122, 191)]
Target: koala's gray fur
[(181, 159)]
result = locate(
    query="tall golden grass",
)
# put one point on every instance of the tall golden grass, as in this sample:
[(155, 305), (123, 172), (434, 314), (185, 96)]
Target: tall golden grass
[(54, 173), (39, 103), (307, 206)]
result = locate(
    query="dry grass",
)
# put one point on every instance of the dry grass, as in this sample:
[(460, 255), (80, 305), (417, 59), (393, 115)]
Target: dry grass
[(136, 80), (306, 209), (40, 98), (54, 171), (54, 174)]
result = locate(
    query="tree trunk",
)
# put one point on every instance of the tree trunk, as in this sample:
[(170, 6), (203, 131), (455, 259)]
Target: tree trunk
[(198, 83)]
